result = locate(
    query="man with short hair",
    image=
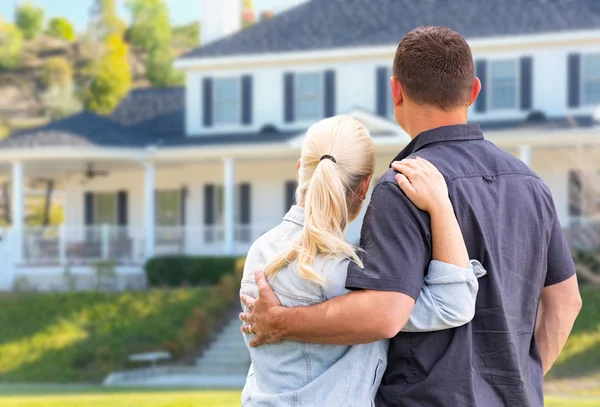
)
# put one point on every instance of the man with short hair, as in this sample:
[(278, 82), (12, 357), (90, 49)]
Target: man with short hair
[(510, 224)]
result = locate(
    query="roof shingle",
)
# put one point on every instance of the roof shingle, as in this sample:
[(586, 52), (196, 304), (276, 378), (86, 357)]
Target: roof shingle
[(326, 24)]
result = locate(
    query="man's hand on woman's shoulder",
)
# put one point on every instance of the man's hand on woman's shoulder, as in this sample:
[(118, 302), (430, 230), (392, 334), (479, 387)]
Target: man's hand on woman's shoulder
[(263, 318)]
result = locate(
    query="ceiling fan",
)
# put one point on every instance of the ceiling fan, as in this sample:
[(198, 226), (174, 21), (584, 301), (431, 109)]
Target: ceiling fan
[(90, 173)]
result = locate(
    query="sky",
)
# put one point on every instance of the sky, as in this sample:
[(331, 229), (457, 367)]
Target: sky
[(182, 11)]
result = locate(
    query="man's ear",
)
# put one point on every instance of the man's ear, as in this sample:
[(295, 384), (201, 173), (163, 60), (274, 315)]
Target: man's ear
[(476, 90), (397, 94)]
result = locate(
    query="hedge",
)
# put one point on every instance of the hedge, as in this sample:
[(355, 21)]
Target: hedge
[(178, 271)]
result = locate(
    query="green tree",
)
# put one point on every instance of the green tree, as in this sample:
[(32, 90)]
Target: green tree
[(104, 20), (57, 71), (186, 36), (11, 45), (159, 68), (112, 77), (29, 19), (151, 31), (60, 27)]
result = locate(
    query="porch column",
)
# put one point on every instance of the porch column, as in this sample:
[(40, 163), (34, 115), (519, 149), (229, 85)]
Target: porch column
[(525, 154), (150, 235), (18, 214), (229, 210)]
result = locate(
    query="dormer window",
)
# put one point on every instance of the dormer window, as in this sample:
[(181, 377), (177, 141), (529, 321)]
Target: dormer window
[(503, 84), (591, 79), (227, 101), (309, 96)]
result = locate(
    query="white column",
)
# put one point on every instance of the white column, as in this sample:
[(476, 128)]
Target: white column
[(525, 154), (229, 210), (18, 214), (150, 236)]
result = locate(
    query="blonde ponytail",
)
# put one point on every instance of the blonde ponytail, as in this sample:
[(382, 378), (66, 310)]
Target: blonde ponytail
[(337, 154)]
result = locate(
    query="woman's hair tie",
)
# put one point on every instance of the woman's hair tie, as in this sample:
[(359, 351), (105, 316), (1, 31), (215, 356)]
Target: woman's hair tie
[(328, 157)]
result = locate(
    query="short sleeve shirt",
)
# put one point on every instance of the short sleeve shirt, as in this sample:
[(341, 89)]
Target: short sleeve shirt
[(509, 223)]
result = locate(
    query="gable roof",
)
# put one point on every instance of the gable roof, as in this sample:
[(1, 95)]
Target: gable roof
[(326, 24)]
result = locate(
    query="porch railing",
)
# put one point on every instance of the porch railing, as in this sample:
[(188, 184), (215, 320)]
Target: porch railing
[(80, 245), (583, 233)]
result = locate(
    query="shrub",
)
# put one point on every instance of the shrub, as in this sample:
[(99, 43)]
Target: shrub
[(11, 45), (29, 19), (60, 27), (177, 271)]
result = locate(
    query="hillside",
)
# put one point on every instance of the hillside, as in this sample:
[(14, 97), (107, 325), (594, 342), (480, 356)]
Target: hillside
[(21, 89)]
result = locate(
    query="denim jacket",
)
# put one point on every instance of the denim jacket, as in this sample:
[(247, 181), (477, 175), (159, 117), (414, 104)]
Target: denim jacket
[(300, 374)]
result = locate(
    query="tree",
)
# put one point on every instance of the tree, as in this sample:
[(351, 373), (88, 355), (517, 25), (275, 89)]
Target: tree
[(57, 71), (186, 36), (60, 27), (150, 26), (159, 68), (29, 19), (112, 77), (104, 20), (151, 31), (11, 45)]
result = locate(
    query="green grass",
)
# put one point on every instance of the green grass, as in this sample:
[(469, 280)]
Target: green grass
[(581, 355), (99, 397), (81, 337), (76, 396)]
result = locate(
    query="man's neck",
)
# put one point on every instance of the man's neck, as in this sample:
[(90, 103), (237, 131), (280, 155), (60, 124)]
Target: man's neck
[(429, 119)]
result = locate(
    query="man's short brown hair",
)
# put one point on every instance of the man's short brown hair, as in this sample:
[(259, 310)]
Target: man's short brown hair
[(435, 67)]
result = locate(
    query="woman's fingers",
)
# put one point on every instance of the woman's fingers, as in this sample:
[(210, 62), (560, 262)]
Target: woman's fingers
[(405, 185), (405, 169)]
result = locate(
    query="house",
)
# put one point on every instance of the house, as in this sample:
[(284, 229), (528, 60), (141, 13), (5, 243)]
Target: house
[(207, 168)]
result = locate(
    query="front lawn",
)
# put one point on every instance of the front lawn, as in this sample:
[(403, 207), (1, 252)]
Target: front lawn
[(70, 396), (81, 337)]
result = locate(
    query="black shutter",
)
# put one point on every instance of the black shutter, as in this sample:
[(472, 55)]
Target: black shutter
[(288, 97), (89, 210), (290, 194), (182, 205), (247, 99), (209, 205), (207, 102), (330, 93), (481, 72), (382, 96), (575, 193), (574, 80), (245, 204), (526, 83), (122, 208)]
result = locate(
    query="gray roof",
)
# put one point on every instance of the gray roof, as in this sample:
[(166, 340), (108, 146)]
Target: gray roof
[(146, 117), (325, 24), (83, 129)]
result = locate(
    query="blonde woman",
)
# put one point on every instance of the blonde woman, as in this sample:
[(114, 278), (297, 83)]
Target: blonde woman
[(306, 257)]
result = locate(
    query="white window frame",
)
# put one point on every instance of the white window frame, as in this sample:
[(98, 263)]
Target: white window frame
[(97, 195), (320, 96), (177, 193), (216, 102), (584, 80), (490, 93)]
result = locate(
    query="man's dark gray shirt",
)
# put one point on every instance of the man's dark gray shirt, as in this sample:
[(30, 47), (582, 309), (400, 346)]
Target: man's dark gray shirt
[(509, 223)]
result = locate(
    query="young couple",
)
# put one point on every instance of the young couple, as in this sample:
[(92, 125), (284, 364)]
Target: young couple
[(403, 320)]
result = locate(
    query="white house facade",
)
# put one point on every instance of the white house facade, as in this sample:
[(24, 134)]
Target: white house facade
[(208, 168)]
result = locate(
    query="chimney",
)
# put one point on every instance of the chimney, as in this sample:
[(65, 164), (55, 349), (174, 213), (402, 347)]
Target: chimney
[(219, 19)]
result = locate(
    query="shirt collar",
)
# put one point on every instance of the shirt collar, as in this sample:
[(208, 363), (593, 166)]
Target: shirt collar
[(457, 132), (295, 215)]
